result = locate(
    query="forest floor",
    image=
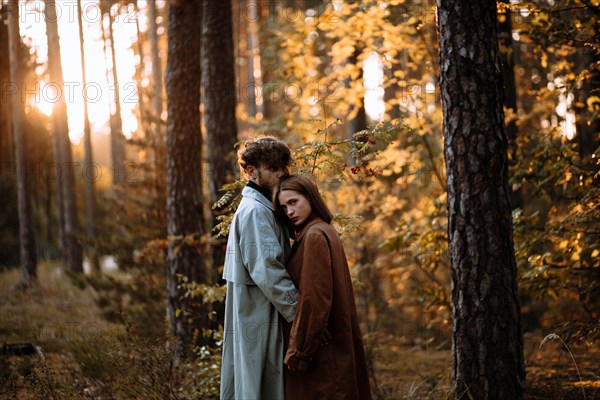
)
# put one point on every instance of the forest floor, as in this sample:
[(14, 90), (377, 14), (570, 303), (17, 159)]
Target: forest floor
[(66, 324)]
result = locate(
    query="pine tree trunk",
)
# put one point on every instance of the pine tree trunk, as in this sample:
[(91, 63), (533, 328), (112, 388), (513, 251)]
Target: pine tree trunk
[(510, 95), (359, 121), (487, 340), (6, 138), (26, 234), (90, 191), (117, 139), (71, 247), (220, 100), (158, 138), (145, 127), (253, 90), (184, 162)]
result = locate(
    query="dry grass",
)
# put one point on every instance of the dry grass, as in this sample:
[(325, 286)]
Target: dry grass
[(57, 317), (67, 325)]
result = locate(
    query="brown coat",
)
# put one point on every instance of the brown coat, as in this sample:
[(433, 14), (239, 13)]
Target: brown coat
[(319, 269)]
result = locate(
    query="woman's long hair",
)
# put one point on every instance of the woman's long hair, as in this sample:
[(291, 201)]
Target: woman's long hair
[(307, 188)]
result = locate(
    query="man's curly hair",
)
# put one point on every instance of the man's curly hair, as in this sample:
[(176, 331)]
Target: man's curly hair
[(266, 151)]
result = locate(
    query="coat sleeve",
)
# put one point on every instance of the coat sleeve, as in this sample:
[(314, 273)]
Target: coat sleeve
[(261, 255), (314, 305)]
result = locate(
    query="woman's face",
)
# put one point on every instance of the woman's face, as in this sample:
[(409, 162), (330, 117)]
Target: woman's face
[(295, 206)]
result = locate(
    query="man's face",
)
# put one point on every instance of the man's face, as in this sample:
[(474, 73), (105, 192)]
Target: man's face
[(265, 177)]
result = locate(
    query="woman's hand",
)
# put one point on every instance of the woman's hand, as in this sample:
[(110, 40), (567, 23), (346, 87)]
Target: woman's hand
[(295, 364)]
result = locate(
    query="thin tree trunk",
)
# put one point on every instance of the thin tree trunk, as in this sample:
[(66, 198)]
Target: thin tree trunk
[(487, 342), (253, 91), (510, 95), (6, 138), (90, 191), (117, 140), (71, 247), (184, 162), (359, 121), (26, 234), (158, 138), (268, 55), (240, 28), (141, 104)]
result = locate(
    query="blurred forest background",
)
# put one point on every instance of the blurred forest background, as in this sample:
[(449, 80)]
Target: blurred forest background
[(124, 213)]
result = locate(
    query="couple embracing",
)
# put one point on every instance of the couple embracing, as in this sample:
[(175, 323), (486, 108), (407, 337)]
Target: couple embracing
[(291, 329)]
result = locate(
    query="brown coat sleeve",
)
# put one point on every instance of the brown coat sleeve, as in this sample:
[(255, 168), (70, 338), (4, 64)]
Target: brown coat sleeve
[(314, 303)]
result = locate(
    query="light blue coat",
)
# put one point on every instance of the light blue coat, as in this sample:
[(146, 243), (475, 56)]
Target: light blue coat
[(258, 290)]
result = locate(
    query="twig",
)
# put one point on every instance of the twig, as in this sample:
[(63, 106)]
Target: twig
[(553, 336)]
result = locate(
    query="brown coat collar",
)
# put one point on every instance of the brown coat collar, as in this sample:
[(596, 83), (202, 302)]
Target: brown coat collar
[(312, 221)]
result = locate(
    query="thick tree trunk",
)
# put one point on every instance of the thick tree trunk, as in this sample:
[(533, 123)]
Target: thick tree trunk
[(90, 191), (487, 340), (26, 234), (184, 162), (218, 76), (71, 247)]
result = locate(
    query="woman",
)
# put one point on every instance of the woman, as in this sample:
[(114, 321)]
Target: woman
[(326, 307)]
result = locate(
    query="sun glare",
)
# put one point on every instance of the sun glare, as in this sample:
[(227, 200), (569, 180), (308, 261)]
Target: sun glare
[(373, 76), (41, 102), (99, 92)]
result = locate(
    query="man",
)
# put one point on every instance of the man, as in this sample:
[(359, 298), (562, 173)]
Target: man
[(258, 287)]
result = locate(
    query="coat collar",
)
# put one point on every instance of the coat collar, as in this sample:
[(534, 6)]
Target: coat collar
[(310, 223), (256, 195)]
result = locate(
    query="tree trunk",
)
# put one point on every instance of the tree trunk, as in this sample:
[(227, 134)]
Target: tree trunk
[(253, 90), (158, 139), (6, 138), (510, 95), (71, 247), (184, 162), (26, 234), (359, 121), (487, 343), (116, 130), (145, 127), (90, 191), (219, 103)]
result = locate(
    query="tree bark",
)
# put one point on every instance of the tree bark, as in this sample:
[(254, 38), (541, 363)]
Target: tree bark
[(116, 132), (71, 247), (26, 234), (218, 78), (184, 162), (253, 90), (6, 138), (145, 127), (510, 95), (487, 343), (158, 138), (359, 121), (90, 191), (117, 140)]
